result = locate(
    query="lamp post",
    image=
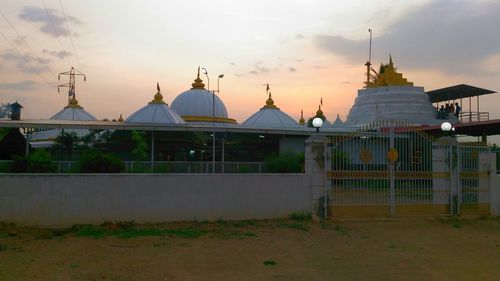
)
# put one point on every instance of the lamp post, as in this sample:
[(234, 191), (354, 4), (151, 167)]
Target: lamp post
[(213, 122), (213, 112), (208, 79), (317, 123)]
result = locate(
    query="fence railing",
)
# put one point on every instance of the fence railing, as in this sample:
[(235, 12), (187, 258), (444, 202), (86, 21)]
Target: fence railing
[(467, 117), (166, 167)]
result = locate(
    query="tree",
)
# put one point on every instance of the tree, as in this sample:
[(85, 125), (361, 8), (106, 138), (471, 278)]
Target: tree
[(141, 146)]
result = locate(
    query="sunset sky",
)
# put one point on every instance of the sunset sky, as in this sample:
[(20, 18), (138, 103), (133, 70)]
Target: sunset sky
[(305, 50)]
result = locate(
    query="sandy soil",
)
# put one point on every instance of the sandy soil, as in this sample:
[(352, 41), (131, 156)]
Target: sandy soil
[(262, 250)]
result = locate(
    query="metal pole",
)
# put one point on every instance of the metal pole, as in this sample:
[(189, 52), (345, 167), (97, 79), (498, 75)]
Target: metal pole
[(213, 134), (325, 194), (457, 175), (222, 160), (470, 109), (152, 149), (478, 117), (392, 183)]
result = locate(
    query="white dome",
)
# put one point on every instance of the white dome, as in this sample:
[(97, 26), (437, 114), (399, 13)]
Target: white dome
[(157, 112), (199, 102), (270, 116), (74, 112), (200, 105)]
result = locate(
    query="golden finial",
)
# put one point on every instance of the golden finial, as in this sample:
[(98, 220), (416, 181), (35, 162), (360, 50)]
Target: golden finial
[(319, 112), (388, 76), (270, 101), (302, 121), (73, 103), (198, 83), (158, 98), (120, 119)]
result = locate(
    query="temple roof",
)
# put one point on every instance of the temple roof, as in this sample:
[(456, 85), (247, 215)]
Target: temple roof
[(270, 116), (457, 92), (155, 112)]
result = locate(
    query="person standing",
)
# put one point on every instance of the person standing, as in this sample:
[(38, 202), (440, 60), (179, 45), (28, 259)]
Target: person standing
[(458, 109)]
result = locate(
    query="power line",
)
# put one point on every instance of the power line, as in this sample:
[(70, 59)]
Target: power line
[(53, 26), (24, 41), (24, 58), (70, 36)]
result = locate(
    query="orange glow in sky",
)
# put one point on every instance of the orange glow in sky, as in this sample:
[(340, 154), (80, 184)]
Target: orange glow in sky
[(305, 50)]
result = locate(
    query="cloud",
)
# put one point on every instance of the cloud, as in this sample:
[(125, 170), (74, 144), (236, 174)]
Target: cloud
[(22, 86), (299, 36), (20, 40), (259, 68), (60, 54), (26, 63), (449, 36), (292, 69), (53, 22)]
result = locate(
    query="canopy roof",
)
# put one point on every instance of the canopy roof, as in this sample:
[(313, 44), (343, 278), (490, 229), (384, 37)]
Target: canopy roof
[(457, 92)]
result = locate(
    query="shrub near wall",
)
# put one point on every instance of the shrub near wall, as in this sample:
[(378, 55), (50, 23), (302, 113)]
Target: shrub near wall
[(99, 162), (39, 161), (288, 162)]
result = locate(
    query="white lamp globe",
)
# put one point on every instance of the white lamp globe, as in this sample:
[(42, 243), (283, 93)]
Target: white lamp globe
[(446, 126), (317, 122)]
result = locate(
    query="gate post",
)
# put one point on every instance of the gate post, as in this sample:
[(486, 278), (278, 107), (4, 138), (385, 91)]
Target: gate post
[(315, 168), (446, 173)]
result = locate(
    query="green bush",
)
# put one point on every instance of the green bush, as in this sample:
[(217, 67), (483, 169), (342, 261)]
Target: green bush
[(288, 162), (39, 161), (98, 162)]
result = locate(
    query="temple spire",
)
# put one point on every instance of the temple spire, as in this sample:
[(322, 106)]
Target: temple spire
[(270, 101), (158, 97), (198, 83), (302, 121)]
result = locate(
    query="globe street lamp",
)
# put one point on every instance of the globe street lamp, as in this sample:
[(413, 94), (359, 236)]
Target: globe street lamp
[(446, 126), (317, 123)]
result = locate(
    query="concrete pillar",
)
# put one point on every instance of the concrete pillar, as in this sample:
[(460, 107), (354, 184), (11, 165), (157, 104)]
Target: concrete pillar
[(440, 180), (487, 160), (315, 168), (445, 167)]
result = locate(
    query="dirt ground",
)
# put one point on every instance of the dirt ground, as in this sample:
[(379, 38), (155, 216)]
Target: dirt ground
[(299, 249)]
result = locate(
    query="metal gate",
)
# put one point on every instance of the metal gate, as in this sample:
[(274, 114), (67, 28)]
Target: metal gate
[(396, 171)]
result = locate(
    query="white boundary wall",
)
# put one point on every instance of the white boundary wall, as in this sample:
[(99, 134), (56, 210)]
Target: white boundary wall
[(64, 200)]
